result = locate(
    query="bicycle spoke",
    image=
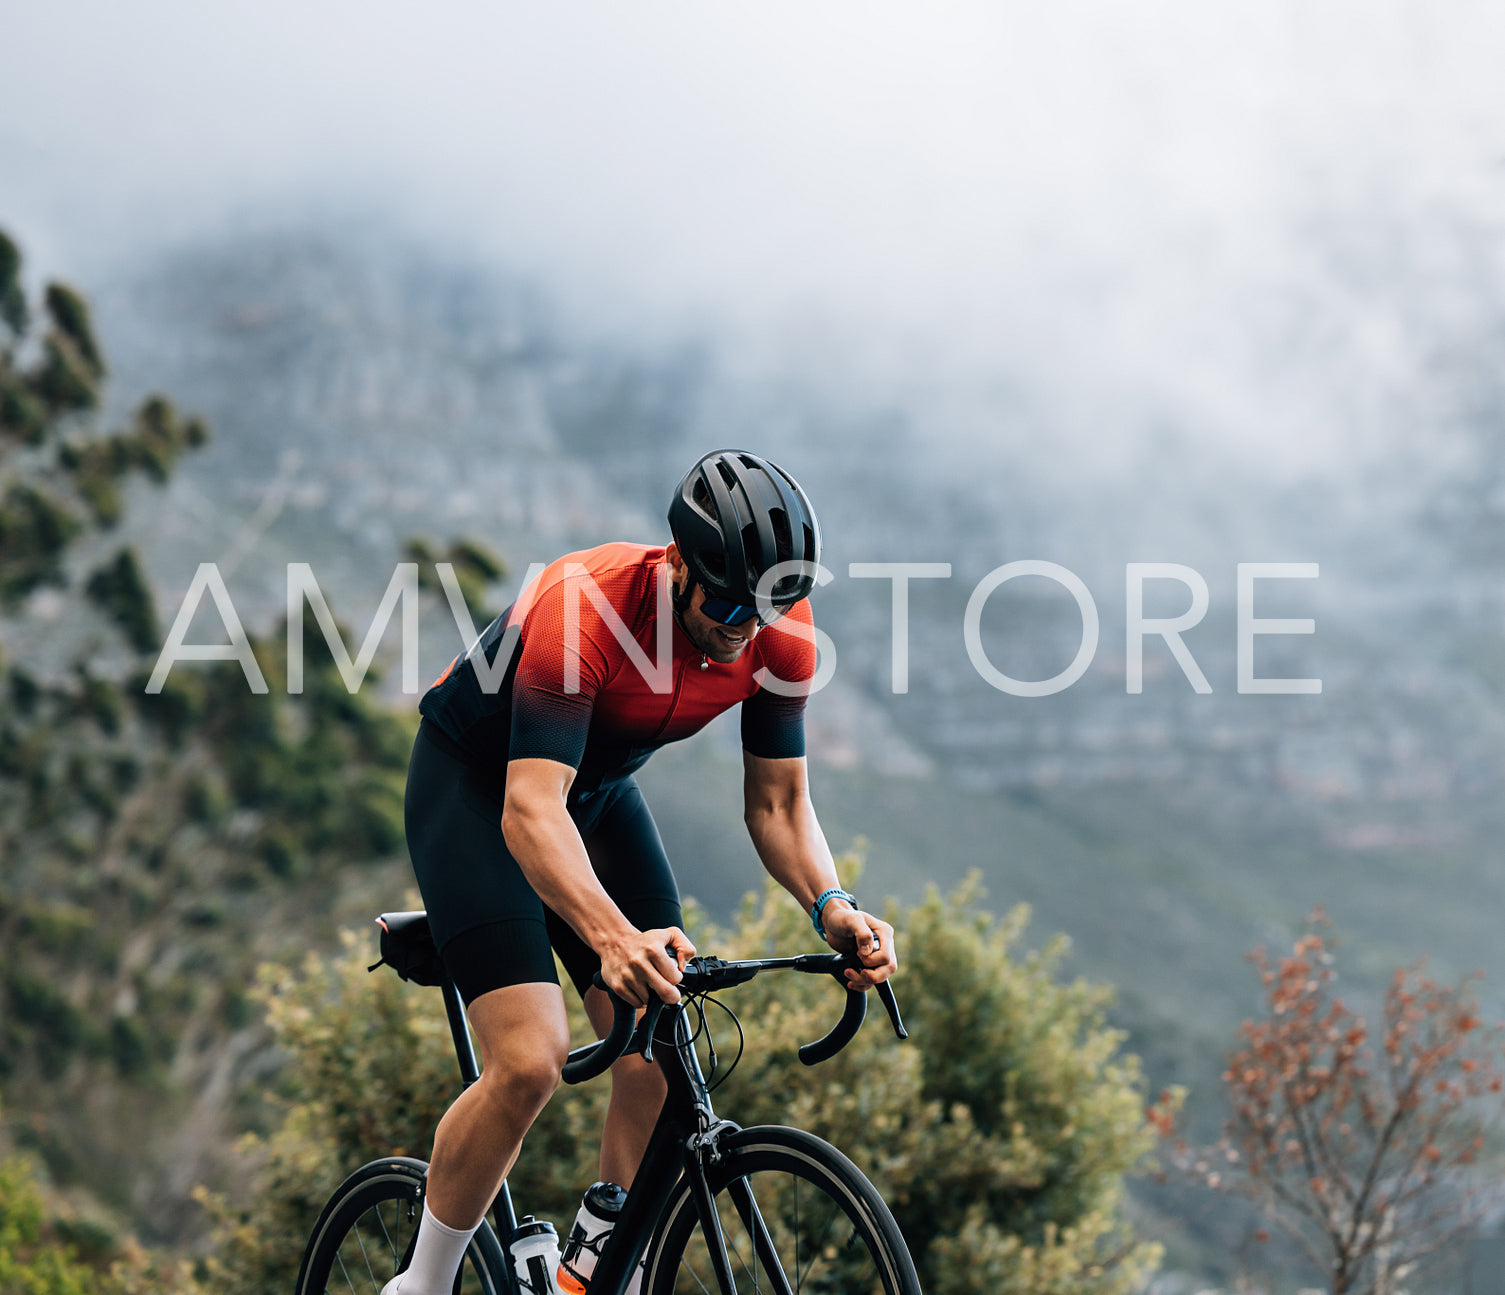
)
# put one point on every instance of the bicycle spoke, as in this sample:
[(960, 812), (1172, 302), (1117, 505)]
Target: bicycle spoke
[(783, 1235), (688, 1268), (357, 1234), (737, 1254), (387, 1236), (817, 1248), (375, 1285)]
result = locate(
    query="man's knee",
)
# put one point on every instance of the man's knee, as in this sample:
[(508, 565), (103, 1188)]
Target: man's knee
[(524, 1078), (524, 1038)]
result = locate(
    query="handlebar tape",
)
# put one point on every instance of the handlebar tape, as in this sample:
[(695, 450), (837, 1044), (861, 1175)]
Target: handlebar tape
[(595, 1058), (846, 1028)]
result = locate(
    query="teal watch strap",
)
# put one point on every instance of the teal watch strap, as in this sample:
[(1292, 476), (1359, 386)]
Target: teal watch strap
[(820, 904)]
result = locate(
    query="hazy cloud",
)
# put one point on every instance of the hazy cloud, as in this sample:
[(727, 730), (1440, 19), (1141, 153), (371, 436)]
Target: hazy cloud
[(1111, 210)]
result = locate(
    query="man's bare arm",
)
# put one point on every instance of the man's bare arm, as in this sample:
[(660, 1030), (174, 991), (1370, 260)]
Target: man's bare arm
[(545, 842), (781, 821)]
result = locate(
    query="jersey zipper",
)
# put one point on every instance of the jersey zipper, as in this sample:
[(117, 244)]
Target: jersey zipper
[(674, 699)]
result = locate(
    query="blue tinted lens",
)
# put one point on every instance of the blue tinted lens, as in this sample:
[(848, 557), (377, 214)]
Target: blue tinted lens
[(725, 612)]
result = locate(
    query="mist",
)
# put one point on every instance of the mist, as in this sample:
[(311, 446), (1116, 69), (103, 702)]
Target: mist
[(1083, 230), (1095, 284)]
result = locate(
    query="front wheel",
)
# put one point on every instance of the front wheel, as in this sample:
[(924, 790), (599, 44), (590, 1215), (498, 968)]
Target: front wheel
[(796, 1217), (365, 1236)]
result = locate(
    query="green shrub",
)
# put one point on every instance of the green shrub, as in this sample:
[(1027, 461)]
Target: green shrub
[(43, 1253), (129, 1045), (60, 928), (1001, 1133), (33, 1261), (120, 589), (205, 801)]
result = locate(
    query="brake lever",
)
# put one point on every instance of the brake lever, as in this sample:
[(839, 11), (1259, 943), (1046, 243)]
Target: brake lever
[(649, 1025), (840, 964), (891, 1004), (656, 1010)]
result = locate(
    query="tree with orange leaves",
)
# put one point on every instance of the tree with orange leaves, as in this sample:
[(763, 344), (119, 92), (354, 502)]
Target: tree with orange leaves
[(1357, 1143)]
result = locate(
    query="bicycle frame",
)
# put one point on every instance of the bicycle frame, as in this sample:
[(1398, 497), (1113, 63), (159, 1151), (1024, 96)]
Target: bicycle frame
[(687, 1127)]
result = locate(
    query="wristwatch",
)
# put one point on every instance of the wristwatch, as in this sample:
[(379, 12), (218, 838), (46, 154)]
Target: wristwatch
[(820, 902)]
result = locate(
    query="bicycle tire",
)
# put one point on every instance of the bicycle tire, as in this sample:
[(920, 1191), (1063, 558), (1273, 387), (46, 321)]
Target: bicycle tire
[(827, 1226), (365, 1234)]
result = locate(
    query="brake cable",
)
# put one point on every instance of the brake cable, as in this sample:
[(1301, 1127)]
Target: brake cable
[(741, 1044)]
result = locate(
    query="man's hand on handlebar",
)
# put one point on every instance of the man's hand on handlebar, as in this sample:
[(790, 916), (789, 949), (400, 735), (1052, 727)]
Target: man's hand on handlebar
[(849, 930), (639, 967)]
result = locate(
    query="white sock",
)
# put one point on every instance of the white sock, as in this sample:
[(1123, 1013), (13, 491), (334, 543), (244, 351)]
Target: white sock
[(436, 1256)]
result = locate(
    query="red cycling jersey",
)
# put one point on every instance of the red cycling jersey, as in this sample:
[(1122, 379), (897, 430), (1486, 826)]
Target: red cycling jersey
[(603, 696)]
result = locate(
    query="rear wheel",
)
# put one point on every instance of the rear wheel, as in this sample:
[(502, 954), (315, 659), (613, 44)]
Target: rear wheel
[(795, 1216), (365, 1236)]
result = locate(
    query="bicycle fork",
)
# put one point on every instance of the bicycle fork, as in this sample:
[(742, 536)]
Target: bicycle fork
[(699, 1152)]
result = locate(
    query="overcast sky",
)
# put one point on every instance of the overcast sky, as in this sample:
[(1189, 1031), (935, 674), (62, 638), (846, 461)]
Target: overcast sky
[(1221, 208)]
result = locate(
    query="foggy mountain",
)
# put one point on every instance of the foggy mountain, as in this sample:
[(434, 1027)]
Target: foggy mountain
[(364, 390)]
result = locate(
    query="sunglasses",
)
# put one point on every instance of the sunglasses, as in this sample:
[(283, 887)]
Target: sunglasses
[(725, 612)]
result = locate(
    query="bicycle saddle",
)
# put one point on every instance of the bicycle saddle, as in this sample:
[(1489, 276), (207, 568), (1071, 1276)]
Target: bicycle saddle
[(407, 946)]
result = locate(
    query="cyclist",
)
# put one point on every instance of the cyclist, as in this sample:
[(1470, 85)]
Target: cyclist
[(529, 835)]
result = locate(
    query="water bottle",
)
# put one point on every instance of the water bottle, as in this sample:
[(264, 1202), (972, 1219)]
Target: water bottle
[(535, 1255), (593, 1224)]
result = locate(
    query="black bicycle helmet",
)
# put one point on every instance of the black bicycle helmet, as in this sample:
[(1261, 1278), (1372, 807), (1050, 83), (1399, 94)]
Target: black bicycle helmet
[(733, 517)]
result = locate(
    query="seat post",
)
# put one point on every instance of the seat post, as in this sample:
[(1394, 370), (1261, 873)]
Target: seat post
[(459, 1027)]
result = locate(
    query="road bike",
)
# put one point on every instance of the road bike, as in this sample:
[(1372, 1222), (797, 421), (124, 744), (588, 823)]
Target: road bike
[(714, 1207)]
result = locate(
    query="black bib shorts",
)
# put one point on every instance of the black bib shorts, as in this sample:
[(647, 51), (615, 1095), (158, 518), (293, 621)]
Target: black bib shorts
[(490, 925)]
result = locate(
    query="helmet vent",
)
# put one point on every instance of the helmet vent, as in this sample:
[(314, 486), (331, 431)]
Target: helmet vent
[(782, 539), (750, 552)]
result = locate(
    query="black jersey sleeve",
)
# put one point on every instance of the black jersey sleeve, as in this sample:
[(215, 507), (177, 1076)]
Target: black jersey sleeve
[(772, 726), (773, 718)]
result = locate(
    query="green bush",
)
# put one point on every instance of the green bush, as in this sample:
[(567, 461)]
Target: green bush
[(1000, 1134), (121, 591), (129, 1045), (33, 1261), (47, 1253), (61, 928), (58, 1028)]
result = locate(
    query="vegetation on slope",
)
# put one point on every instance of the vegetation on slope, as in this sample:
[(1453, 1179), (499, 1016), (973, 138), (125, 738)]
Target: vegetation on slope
[(1000, 1133)]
